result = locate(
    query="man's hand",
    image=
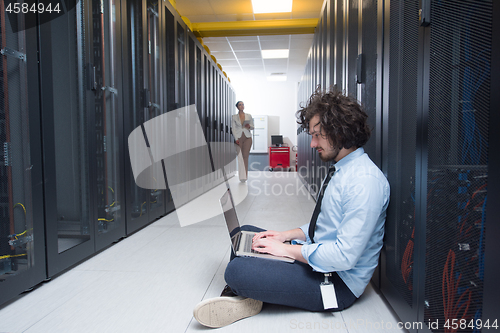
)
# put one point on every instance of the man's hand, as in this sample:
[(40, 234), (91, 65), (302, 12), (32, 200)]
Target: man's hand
[(281, 236), (272, 246), (276, 235), (277, 248)]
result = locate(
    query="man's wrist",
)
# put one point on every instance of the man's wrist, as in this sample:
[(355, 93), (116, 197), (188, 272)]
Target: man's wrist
[(294, 234), (295, 252)]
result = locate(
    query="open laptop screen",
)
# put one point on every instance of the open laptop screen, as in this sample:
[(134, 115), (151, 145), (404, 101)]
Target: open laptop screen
[(233, 226)]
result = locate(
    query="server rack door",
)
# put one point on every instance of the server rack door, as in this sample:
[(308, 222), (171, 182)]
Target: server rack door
[(351, 46), (195, 184), (180, 190), (22, 244), (491, 270), (229, 103), (207, 116), (220, 133), (168, 79), (213, 119), (368, 70), (400, 146), (142, 31), (108, 124), (340, 45), (333, 42), (218, 115), (314, 61), (326, 45), (160, 201), (458, 113), (222, 120), (215, 122), (67, 121), (201, 109)]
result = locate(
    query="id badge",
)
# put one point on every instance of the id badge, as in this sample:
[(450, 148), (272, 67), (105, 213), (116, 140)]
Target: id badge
[(328, 293)]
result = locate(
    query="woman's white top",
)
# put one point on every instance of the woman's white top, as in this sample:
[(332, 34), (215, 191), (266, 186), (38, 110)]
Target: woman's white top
[(237, 128)]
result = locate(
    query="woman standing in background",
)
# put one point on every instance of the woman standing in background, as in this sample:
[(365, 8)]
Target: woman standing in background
[(241, 124)]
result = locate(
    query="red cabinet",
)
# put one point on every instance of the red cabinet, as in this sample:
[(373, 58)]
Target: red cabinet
[(279, 157)]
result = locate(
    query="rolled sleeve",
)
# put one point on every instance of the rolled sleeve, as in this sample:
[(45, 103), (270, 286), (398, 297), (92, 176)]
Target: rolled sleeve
[(305, 230)]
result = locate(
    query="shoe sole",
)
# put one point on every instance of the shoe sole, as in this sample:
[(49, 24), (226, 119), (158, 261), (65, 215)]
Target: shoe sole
[(222, 311)]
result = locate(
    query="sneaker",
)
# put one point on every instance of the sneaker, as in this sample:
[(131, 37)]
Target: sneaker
[(227, 292), (222, 311)]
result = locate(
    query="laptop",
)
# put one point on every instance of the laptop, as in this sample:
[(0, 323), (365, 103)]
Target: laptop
[(241, 241)]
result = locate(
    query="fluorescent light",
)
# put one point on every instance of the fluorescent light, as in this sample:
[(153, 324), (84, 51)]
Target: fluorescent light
[(271, 6), (274, 54)]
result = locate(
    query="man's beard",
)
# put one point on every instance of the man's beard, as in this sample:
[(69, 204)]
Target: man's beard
[(330, 156)]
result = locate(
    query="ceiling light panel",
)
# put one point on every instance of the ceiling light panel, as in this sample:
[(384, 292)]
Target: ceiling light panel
[(275, 54), (274, 6), (276, 78)]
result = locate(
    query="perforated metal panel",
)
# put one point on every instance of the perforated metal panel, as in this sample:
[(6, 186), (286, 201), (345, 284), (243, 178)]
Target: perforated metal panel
[(402, 146), (459, 85)]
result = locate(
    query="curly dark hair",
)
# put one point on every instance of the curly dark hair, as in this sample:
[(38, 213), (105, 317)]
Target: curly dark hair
[(342, 118)]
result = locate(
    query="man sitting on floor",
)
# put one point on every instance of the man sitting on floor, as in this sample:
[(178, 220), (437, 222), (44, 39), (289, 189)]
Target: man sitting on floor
[(343, 238)]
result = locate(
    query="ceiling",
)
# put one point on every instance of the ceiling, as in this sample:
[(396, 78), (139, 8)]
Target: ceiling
[(239, 53)]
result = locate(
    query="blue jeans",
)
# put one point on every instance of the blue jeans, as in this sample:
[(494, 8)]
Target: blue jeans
[(278, 282)]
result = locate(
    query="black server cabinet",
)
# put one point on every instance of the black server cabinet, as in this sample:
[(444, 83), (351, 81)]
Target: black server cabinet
[(142, 101), (338, 14), (363, 68), (352, 49), (196, 184), (492, 248), (456, 111), (160, 201), (207, 117), (67, 121), (438, 108), (22, 241), (106, 110), (182, 140), (168, 76), (142, 25), (400, 151), (326, 40), (80, 61)]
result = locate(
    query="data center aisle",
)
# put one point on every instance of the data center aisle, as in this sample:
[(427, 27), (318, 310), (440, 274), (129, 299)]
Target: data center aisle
[(151, 281)]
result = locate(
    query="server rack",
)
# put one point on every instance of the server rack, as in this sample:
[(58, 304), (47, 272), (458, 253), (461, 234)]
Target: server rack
[(66, 143), (142, 101), (423, 70), (22, 242), (448, 173), (160, 201), (107, 114), (88, 78)]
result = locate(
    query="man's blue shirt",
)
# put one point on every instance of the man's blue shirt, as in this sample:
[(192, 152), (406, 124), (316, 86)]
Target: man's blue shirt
[(350, 227)]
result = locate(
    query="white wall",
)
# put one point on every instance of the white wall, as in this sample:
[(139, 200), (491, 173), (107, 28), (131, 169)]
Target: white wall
[(278, 100)]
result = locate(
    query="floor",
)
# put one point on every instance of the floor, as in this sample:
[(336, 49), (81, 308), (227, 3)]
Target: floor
[(151, 281)]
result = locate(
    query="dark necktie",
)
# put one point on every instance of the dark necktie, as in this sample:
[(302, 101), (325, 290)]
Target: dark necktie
[(317, 209)]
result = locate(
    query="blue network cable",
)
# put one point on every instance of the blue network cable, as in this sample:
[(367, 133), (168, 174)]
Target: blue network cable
[(472, 147)]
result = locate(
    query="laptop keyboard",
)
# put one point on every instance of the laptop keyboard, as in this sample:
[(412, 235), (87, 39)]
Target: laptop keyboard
[(248, 243)]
